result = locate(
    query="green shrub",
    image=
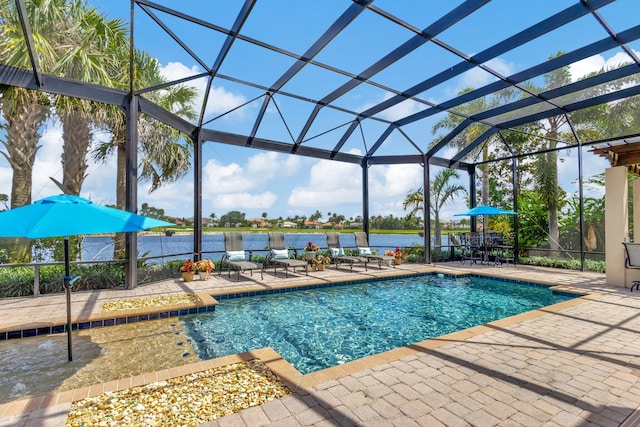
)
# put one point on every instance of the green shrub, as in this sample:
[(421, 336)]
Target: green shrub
[(414, 254), (568, 264), (18, 281)]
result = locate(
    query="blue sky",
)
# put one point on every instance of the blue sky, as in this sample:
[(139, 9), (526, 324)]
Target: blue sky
[(255, 181)]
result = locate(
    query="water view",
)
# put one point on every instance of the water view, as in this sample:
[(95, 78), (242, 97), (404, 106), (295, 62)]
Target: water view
[(101, 248)]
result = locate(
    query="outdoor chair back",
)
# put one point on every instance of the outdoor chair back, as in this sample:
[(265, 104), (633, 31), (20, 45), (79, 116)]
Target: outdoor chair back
[(632, 260)]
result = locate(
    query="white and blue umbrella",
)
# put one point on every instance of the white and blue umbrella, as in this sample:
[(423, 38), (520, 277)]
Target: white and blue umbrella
[(67, 215)]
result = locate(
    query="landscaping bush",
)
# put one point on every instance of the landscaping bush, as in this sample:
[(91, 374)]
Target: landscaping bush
[(568, 264), (18, 281)]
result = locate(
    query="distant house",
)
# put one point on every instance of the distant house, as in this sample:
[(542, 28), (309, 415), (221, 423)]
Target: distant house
[(259, 223), (312, 224), (289, 224), (176, 221), (206, 221)]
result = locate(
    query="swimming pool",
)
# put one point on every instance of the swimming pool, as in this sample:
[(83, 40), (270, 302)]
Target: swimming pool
[(320, 328)]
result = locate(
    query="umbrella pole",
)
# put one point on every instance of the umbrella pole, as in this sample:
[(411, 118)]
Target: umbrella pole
[(67, 286)]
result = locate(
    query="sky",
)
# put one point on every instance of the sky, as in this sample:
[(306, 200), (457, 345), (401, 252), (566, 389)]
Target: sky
[(254, 181)]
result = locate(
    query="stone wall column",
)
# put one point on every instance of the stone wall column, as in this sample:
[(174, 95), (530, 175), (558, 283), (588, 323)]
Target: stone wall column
[(616, 220), (636, 210)]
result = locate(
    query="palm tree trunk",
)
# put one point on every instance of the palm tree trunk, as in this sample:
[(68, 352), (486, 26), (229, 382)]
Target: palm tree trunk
[(485, 185), (119, 243), (437, 232), (24, 118), (554, 229), (77, 137)]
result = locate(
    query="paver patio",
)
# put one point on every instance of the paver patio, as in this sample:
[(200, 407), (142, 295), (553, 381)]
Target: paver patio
[(572, 364)]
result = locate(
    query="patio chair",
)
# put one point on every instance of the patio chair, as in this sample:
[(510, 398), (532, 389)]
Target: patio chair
[(279, 255), (235, 256), (365, 251), (632, 261), (471, 248), (455, 246), (337, 252)]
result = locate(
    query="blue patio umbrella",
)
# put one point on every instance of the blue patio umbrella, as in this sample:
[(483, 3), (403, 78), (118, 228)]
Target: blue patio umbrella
[(68, 215), (484, 210)]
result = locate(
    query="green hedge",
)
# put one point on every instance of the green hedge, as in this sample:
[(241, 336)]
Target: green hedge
[(568, 264), (18, 281)]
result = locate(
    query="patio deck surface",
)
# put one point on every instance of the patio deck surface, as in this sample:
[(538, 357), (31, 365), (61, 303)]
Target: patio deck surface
[(571, 364)]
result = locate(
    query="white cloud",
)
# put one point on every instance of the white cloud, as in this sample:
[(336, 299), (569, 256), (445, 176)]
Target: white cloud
[(330, 183), (234, 186), (396, 112), (48, 163), (395, 180), (6, 175), (239, 201), (220, 100), (477, 77), (259, 171), (596, 63)]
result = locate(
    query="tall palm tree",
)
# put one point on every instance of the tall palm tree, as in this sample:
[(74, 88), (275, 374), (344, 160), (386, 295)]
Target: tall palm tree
[(25, 111), (442, 191), (86, 57), (546, 172), (164, 157), (474, 130)]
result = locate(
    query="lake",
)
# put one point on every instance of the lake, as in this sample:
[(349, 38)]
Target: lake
[(100, 248)]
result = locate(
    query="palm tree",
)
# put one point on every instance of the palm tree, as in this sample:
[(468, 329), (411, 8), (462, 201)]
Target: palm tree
[(26, 111), (315, 216), (441, 192), (546, 172), (163, 158), (474, 130), (88, 57)]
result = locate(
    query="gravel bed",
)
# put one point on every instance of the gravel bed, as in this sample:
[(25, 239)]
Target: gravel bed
[(183, 401)]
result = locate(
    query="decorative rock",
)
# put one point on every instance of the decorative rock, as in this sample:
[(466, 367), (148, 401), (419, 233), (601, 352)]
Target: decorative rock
[(158, 301), (186, 401)]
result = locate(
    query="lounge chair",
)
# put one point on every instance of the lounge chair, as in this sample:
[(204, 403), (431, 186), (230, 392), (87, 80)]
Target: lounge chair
[(337, 252), (632, 261), (365, 251), (279, 255), (235, 256)]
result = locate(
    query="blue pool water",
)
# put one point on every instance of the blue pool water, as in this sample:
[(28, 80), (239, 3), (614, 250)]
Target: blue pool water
[(316, 329)]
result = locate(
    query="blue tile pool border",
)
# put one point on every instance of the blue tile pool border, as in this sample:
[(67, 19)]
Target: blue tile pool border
[(59, 329), (387, 278)]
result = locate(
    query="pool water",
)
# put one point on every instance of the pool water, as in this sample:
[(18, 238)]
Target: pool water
[(317, 329)]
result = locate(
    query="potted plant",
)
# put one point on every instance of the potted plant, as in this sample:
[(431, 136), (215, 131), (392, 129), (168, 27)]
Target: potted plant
[(399, 255), (311, 248), (320, 261), (188, 270), (204, 268)]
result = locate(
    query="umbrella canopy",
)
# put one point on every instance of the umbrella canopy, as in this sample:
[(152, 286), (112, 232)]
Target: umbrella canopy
[(67, 215), (486, 211)]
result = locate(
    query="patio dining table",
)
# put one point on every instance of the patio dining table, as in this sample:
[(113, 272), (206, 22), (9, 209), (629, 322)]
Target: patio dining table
[(483, 247)]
